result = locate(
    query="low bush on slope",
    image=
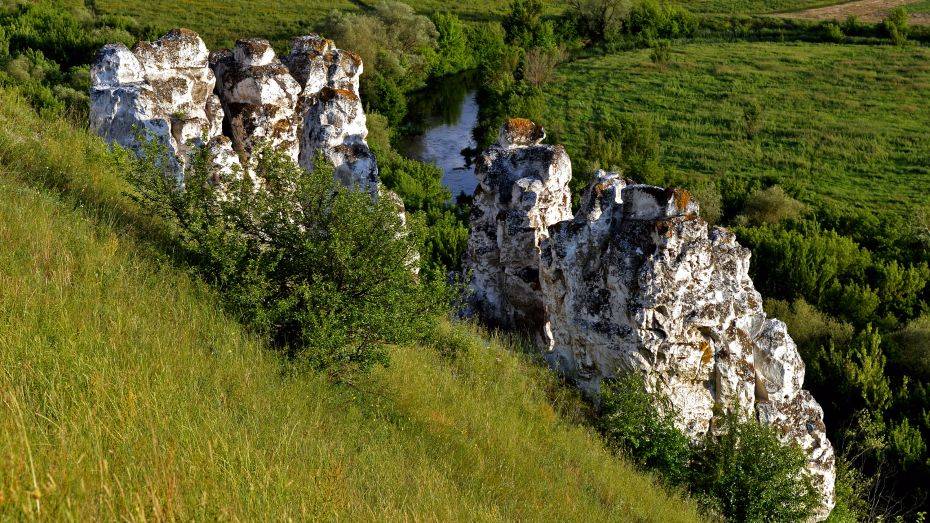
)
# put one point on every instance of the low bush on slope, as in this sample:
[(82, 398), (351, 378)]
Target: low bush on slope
[(126, 392)]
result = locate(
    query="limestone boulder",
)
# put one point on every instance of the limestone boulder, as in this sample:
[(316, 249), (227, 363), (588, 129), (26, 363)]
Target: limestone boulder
[(334, 126), (522, 190), (638, 282), (161, 90), (259, 97)]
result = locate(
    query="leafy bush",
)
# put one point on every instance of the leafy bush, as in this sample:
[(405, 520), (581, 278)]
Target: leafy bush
[(453, 45), (525, 26), (651, 19), (771, 206), (393, 41), (599, 20), (640, 424), (539, 65), (895, 25), (753, 476), (321, 269), (383, 96), (661, 52), (629, 144)]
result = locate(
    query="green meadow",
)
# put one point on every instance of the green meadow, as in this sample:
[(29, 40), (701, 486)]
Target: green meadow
[(837, 123)]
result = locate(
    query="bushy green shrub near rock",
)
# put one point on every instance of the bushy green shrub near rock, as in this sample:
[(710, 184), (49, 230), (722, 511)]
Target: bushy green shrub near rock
[(741, 471), (323, 270)]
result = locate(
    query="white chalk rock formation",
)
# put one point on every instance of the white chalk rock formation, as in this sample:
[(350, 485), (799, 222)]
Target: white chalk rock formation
[(522, 190), (315, 63), (334, 125), (637, 283), (259, 98), (160, 90)]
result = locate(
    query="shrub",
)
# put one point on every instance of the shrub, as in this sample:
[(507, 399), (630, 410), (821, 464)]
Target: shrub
[(640, 424), (628, 143), (384, 97), (771, 206), (539, 65), (453, 46), (393, 41), (910, 348), (525, 26), (661, 52), (653, 19), (895, 25), (323, 270), (753, 476), (599, 20), (753, 119), (834, 33), (708, 197)]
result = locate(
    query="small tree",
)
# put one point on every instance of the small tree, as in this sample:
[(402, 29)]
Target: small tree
[(640, 425), (753, 476), (599, 20), (895, 25), (323, 270)]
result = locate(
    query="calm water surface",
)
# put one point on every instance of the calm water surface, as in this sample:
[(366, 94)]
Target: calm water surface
[(445, 113)]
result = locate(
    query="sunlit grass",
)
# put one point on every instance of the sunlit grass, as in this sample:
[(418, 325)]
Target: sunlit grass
[(842, 123), (127, 393)]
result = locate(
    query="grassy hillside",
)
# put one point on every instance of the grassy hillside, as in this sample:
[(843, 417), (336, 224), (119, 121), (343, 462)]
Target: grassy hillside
[(220, 23), (752, 6), (126, 393), (840, 123)]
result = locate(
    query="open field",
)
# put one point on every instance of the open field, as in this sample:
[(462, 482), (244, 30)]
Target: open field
[(220, 23), (752, 6), (867, 11), (842, 123), (127, 394)]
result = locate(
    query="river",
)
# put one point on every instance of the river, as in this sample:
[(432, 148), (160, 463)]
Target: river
[(442, 118)]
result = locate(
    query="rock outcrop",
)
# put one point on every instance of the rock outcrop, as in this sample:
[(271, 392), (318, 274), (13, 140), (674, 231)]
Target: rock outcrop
[(259, 98), (174, 91), (636, 282), (522, 190), (160, 90)]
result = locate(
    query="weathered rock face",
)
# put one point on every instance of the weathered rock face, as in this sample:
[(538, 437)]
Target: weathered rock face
[(334, 126), (523, 189), (259, 97), (162, 89), (637, 283), (316, 63), (305, 106)]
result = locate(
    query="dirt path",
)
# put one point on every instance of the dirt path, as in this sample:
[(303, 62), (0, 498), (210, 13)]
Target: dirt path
[(864, 10)]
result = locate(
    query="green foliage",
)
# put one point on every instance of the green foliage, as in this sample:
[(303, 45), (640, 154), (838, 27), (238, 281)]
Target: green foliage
[(383, 96), (393, 41), (321, 269), (661, 52), (895, 25), (910, 347), (641, 425), (651, 19), (525, 26), (752, 476), (753, 120), (709, 199), (599, 20), (629, 144), (771, 206), (453, 45)]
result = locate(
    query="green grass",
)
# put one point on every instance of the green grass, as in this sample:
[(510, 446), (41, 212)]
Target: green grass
[(840, 123), (753, 6), (220, 23), (922, 7), (127, 394)]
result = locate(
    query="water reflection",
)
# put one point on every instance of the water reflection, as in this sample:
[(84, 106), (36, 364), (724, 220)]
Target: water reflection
[(440, 120)]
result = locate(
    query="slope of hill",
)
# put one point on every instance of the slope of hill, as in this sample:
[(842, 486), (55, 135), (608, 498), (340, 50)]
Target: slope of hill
[(818, 131), (126, 392)]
